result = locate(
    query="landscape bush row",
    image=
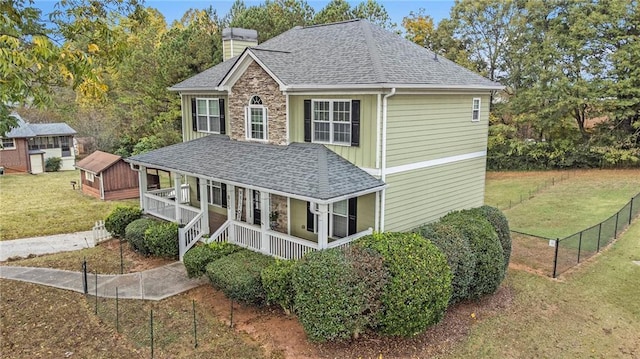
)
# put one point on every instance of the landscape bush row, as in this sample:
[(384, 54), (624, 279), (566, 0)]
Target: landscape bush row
[(145, 235), (396, 284)]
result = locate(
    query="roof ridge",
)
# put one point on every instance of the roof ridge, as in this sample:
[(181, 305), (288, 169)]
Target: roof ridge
[(373, 53), (331, 23), (323, 171), (269, 50)]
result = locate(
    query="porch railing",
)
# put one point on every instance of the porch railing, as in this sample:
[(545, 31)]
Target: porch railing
[(170, 193), (165, 208), (280, 245), (190, 234)]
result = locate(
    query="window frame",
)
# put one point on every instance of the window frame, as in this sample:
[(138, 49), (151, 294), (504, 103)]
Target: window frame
[(332, 213), (475, 112), (208, 115), (332, 122), (13, 144), (248, 121), (211, 187), (89, 176)]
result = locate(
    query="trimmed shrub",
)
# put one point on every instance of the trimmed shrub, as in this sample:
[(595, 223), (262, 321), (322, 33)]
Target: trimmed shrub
[(197, 258), (336, 297), (419, 285), (162, 240), (134, 234), (455, 247), (118, 220), (485, 247), (238, 275), (501, 225), (276, 281), (53, 164)]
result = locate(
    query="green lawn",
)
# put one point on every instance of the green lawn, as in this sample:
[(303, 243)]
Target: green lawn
[(43, 204), (581, 200), (593, 313)]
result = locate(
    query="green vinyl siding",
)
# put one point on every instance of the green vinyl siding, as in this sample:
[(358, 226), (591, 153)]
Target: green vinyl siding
[(366, 212), (363, 155), (427, 127), (238, 47), (187, 122), (424, 195)]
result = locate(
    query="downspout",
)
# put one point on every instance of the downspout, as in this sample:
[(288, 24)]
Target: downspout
[(377, 167), (383, 166)]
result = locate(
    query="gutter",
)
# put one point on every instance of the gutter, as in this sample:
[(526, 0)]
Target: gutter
[(383, 167)]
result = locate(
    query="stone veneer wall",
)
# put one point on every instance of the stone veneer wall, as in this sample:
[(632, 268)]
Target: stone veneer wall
[(255, 81), (279, 203)]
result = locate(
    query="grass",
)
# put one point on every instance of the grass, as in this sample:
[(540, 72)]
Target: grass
[(593, 312), (507, 189), (45, 204), (43, 322), (582, 200)]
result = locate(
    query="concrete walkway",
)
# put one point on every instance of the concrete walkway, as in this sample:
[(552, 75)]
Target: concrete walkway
[(152, 284), (45, 245)]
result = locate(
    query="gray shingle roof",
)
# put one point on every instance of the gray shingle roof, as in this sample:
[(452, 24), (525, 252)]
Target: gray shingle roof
[(349, 53), (302, 169), (25, 129)]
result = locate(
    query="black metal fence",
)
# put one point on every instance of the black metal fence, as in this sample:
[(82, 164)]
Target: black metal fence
[(529, 194), (569, 251), (554, 256)]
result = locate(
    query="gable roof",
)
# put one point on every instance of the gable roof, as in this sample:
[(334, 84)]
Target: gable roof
[(25, 129), (346, 54), (308, 171), (97, 162)]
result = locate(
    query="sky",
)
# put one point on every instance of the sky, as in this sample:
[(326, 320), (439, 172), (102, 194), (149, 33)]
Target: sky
[(174, 9)]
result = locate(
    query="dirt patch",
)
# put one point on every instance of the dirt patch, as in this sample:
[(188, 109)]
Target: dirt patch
[(282, 336), (137, 262)]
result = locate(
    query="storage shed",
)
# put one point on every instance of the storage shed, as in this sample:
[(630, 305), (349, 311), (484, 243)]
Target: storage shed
[(106, 176)]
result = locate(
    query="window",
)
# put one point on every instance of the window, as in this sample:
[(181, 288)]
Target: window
[(88, 176), (8, 144), (331, 121), (338, 219), (214, 193), (256, 119), (208, 114), (475, 114)]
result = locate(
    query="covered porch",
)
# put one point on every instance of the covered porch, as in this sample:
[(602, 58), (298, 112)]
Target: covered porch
[(278, 213)]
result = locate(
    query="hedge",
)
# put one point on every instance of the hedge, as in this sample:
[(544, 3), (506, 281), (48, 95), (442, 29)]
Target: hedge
[(277, 283), (117, 221), (336, 297), (455, 247), (162, 240), (197, 258), (485, 247), (419, 285), (134, 234), (501, 225), (238, 276)]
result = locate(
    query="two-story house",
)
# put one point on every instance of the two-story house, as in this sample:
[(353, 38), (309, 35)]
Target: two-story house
[(26, 147), (319, 136)]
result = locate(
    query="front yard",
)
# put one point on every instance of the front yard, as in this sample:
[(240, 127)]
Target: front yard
[(44, 204)]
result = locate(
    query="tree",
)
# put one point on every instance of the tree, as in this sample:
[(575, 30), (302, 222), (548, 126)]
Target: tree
[(35, 58), (419, 28), (341, 10), (271, 18)]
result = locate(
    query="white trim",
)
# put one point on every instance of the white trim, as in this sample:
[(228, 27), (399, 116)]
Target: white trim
[(376, 172), (309, 87), (207, 99), (248, 121), (331, 121), (436, 162), (376, 219), (378, 123), (12, 147), (241, 65), (289, 215), (473, 108), (286, 94), (383, 165)]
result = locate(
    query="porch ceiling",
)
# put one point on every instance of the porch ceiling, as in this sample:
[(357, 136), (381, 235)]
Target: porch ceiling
[(302, 169)]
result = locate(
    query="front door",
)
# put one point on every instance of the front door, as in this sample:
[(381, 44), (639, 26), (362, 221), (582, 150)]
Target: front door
[(256, 208)]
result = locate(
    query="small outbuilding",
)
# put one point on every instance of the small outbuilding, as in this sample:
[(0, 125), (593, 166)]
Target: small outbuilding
[(108, 177)]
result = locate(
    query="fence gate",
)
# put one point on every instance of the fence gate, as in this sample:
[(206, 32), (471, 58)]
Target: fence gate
[(100, 233)]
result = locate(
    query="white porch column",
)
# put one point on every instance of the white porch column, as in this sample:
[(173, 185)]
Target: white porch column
[(142, 186), (177, 182), (231, 211), (265, 206), (323, 226), (204, 205)]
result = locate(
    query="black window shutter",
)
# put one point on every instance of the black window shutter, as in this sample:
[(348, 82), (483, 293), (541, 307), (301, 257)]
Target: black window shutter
[(194, 115), (353, 212), (198, 189), (223, 188), (223, 127), (310, 218), (355, 123), (307, 120)]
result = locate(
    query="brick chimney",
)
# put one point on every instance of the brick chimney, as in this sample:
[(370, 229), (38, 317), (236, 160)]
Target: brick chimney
[(235, 40)]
